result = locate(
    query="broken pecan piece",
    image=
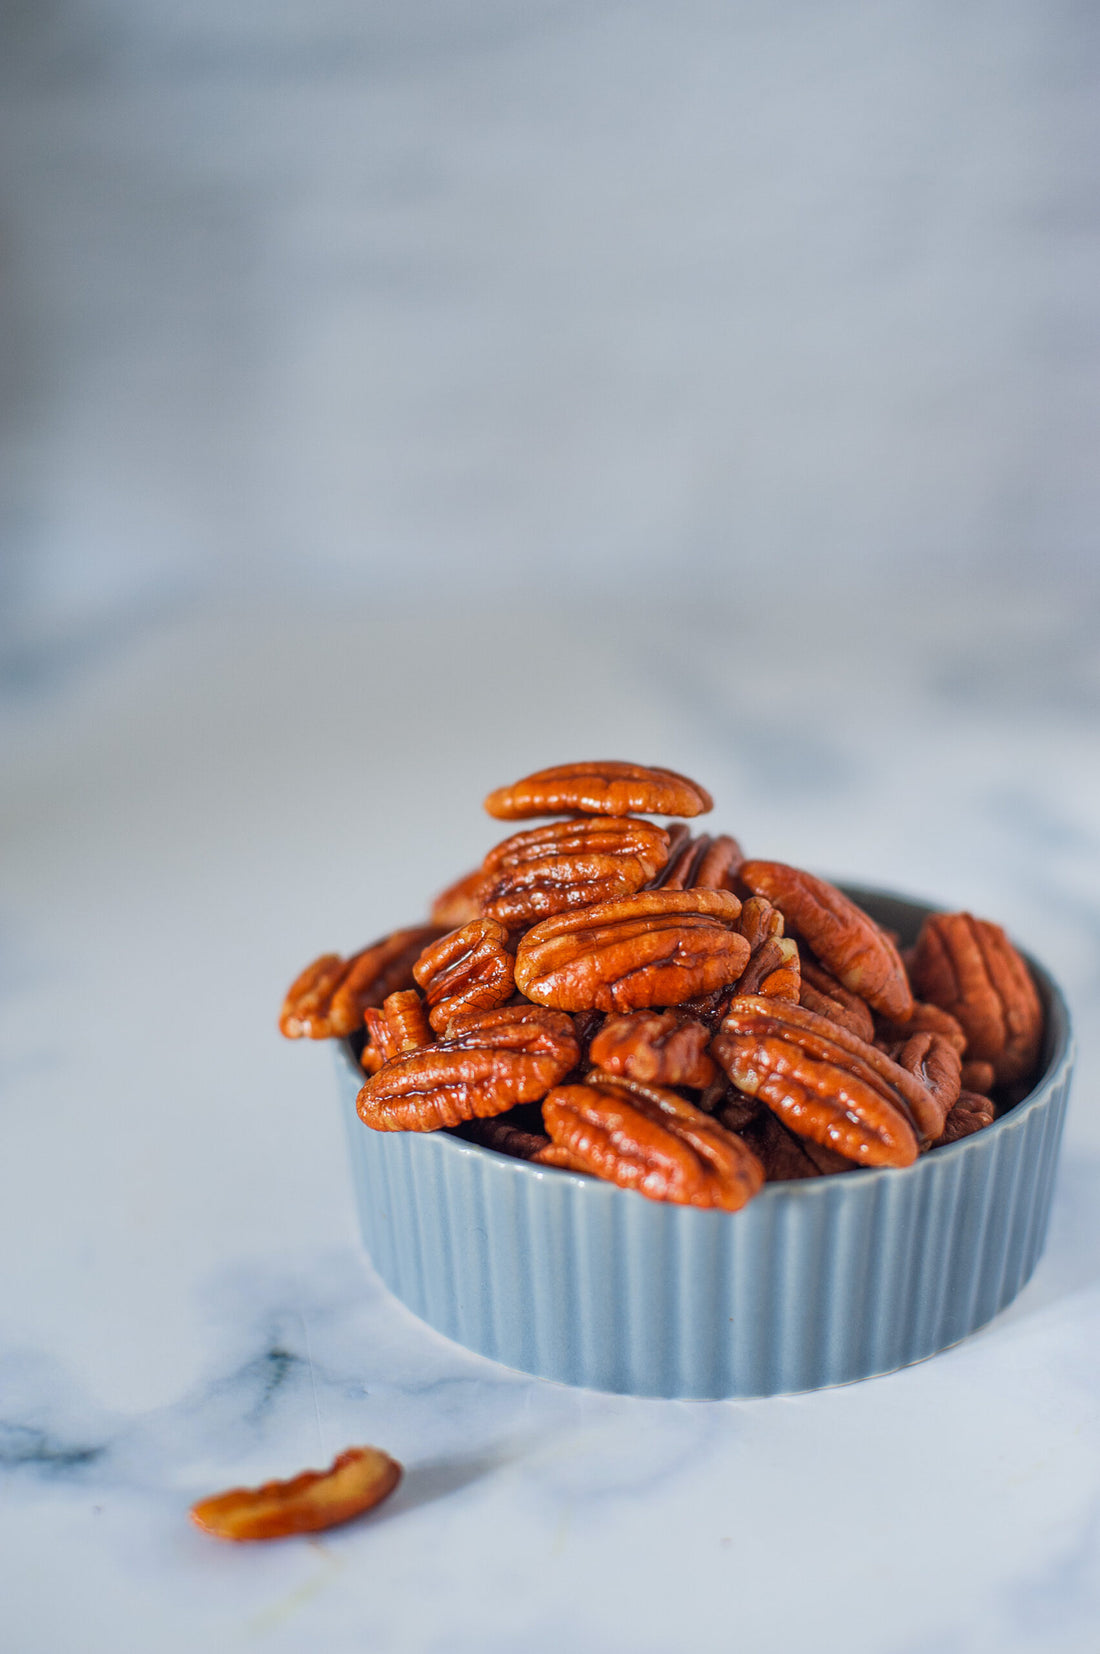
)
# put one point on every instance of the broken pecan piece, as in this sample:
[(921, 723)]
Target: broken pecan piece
[(569, 864), (605, 788), (468, 970), (971, 1113), (968, 967), (355, 1482), (328, 999), (844, 938), (658, 1048), (656, 948), (649, 1139), (400, 1025), (489, 1061), (823, 1082)]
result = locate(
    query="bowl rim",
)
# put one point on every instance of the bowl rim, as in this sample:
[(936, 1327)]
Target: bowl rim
[(1059, 1047)]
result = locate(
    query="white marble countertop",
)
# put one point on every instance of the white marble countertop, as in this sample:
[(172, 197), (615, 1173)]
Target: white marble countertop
[(185, 1305)]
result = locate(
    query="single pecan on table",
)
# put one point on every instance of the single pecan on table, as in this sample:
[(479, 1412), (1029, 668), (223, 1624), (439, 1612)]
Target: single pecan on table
[(317, 1499)]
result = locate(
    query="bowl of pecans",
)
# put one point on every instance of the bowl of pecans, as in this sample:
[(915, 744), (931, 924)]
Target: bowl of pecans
[(634, 1111)]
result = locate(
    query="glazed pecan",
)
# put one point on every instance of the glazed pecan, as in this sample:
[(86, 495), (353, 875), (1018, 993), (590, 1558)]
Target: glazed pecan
[(978, 1076), (774, 968), (400, 1025), (933, 1060), (968, 967), (355, 1482), (502, 1135), (823, 1082), (569, 864), (656, 948), (489, 1061), (604, 788), (659, 1048), (646, 1138), (925, 1019), (328, 1000), (468, 970), (821, 992), (460, 902), (845, 939), (971, 1113), (702, 863), (784, 1156)]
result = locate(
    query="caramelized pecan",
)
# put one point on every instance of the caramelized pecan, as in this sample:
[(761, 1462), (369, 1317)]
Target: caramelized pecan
[(784, 1156), (703, 863), (656, 948), (489, 1061), (400, 1025), (971, 1113), (659, 1048), (821, 992), (328, 1000), (774, 968), (925, 1018), (845, 939), (460, 902), (933, 1060), (602, 788), (645, 1138), (569, 864), (469, 970), (823, 1082), (501, 1134), (968, 967), (355, 1482)]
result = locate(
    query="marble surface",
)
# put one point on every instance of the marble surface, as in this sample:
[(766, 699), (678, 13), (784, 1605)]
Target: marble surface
[(185, 1305)]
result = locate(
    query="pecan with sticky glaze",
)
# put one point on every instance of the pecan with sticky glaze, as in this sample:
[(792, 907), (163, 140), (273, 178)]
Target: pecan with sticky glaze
[(658, 1048), (969, 968), (824, 1083), (785, 1157), (401, 1024), (569, 864), (820, 991), (971, 1113), (656, 948), (925, 1019), (460, 902), (489, 1062), (845, 939), (470, 969), (647, 1138), (702, 863), (932, 1059), (328, 999), (605, 787), (317, 1499)]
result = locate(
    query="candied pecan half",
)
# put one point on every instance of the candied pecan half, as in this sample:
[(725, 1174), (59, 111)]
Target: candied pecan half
[(400, 1025), (355, 1482), (469, 970), (604, 787), (659, 1048), (821, 992), (460, 902), (933, 1060), (844, 938), (971, 1113), (968, 967), (489, 1061), (786, 1157), (569, 864), (328, 1000), (656, 948), (702, 863), (774, 968), (645, 1138), (925, 1018), (823, 1082)]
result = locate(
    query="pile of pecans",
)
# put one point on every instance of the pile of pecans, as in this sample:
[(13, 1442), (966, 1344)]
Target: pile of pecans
[(618, 998)]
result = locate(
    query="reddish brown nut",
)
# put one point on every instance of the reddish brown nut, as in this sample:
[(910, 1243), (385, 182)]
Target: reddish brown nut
[(505, 1137), (978, 1076), (469, 970), (933, 1060), (400, 1025), (605, 788), (355, 1482), (821, 992), (971, 1113), (328, 1000), (968, 967), (823, 1082), (646, 1138), (845, 939), (774, 968), (925, 1019), (703, 863), (785, 1157), (656, 948), (658, 1048), (459, 903), (489, 1062), (569, 864)]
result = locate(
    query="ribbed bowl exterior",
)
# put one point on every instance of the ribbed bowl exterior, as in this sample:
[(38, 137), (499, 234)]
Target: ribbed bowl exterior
[(815, 1282)]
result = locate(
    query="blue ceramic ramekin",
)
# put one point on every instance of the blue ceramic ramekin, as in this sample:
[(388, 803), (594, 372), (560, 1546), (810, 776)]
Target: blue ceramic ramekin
[(815, 1282)]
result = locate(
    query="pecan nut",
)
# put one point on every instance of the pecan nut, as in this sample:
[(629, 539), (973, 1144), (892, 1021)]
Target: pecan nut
[(355, 1482), (569, 864), (821, 992), (328, 999), (459, 903), (400, 1025), (605, 788), (489, 1062), (785, 1157), (933, 1060), (775, 967), (469, 970), (971, 1113), (823, 1082), (845, 939), (656, 948), (649, 1139), (658, 1048), (703, 863), (968, 967)]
